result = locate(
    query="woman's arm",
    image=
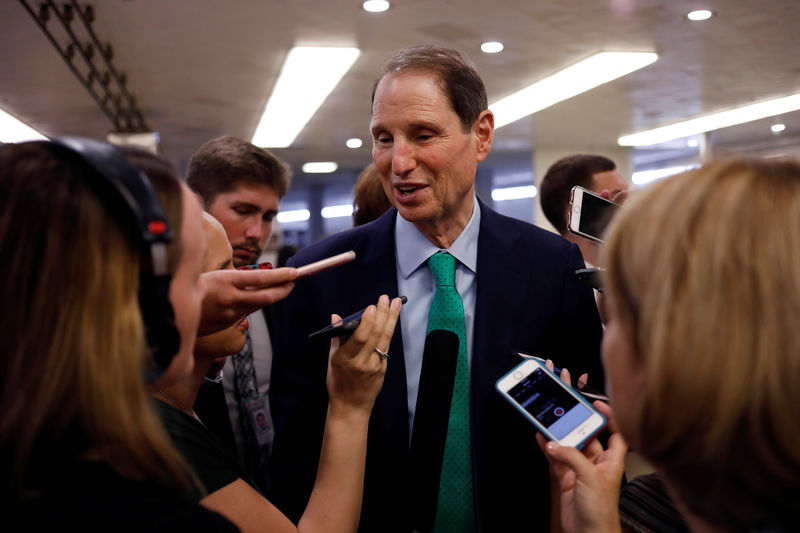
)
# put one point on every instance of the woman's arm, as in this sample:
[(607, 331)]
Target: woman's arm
[(248, 509), (355, 376)]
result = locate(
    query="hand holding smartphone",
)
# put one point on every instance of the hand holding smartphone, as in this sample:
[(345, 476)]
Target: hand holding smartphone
[(589, 214), (556, 410), (592, 276), (348, 323)]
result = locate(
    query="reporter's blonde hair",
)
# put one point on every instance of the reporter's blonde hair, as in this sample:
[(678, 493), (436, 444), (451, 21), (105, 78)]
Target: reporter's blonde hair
[(73, 343), (704, 270)]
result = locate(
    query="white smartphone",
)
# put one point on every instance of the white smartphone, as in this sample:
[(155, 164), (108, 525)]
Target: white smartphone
[(559, 412), (589, 213)]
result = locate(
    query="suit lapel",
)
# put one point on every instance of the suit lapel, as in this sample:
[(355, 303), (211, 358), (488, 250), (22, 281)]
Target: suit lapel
[(500, 295), (379, 277)]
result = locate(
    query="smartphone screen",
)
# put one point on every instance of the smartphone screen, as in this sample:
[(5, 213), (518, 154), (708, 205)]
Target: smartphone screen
[(590, 213), (549, 403)]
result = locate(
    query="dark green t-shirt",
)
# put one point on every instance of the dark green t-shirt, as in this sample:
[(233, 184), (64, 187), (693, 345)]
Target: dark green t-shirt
[(208, 457)]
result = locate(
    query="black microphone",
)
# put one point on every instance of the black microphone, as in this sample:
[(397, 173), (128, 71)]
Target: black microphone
[(431, 416)]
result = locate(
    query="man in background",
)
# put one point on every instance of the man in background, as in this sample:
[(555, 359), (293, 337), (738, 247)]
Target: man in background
[(241, 185), (593, 172)]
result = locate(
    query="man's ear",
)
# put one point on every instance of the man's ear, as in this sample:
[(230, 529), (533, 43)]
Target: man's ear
[(484, 133)]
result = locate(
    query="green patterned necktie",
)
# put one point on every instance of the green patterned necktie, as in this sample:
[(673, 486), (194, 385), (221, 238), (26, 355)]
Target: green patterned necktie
[(454, 510)]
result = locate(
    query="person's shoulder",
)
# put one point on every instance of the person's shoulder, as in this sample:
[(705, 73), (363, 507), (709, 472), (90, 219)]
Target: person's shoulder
[(93, 497), (524, 233)]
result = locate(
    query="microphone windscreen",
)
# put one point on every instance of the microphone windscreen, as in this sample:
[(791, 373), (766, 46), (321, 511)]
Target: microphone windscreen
[(431, 417)]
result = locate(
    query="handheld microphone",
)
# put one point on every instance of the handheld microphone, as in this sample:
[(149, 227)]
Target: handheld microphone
[(431, 417)]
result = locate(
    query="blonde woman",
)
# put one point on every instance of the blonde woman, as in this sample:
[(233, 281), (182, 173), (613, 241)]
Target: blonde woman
[(355, 376), (81, 445), (702, 351)]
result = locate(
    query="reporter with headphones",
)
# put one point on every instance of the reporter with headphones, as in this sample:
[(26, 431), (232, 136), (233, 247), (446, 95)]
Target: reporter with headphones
[(90, 264)]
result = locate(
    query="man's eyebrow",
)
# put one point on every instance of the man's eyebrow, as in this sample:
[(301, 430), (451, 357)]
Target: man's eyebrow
[(244, 203)]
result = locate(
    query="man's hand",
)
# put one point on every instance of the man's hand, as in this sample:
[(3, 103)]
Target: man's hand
[(233, 294), (618, 197)]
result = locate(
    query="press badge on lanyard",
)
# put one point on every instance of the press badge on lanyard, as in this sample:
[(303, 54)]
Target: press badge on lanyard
[(258, 416)]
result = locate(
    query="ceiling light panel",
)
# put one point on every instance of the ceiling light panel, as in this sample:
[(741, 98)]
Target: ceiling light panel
[(337, 211), (699, 14), (513, 193), (375, 6), (713, 121), (355, 142), (320, 167), (581, 77), (492, 47), (296, 215), (13, 130), (308, 76)]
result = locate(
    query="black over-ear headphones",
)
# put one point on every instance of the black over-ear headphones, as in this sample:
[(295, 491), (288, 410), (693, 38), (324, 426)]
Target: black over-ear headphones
[(127, 194)]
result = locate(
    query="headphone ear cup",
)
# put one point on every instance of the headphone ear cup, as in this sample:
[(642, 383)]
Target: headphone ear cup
[(163, 338), (129, 196)]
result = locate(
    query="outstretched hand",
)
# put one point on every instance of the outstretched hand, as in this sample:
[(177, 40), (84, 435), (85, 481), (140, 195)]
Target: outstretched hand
[(355, 368), (233, 294)]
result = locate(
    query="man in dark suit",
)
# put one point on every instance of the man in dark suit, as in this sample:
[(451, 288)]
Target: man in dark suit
[(241, 185), (431, 127)]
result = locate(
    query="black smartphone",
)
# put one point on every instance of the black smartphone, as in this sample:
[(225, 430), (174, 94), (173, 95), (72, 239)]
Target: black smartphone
[(345, 325), (589, 213), (592, 276)]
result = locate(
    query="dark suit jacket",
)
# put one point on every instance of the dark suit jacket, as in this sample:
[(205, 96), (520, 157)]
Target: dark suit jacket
[(528, 298)]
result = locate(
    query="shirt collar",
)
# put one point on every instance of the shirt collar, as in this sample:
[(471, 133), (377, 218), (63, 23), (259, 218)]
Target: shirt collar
[(413, 248)]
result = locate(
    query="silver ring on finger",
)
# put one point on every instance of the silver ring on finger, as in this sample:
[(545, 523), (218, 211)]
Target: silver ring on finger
[(384, 355)]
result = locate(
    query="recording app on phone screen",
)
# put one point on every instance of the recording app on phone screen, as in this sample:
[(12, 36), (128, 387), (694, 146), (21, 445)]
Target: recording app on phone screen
[(549, 403)]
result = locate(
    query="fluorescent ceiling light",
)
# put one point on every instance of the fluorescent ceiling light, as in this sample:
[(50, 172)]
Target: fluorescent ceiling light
[(336, 211), (309, 74), (713, 121), (354, 143), (375, 6), (320, 167), (513, 193), (13, 130), (297, 215), (492, 47), (599, 69), (699, 14), (646, 176), (692, 143), (777, 128)]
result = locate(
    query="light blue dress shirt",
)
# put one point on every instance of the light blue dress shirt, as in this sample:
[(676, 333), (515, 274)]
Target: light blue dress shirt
[(414, 280)]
